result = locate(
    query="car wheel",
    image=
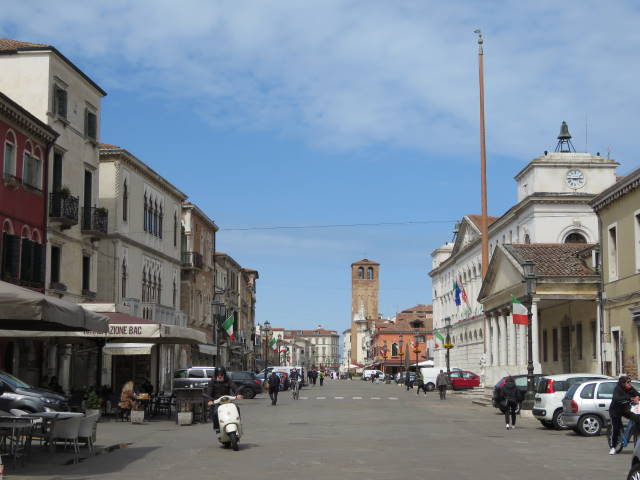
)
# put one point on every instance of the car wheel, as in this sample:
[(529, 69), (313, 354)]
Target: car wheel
[(590, 425), (634, 473), (546, 423), (430, 387), (248, 393), (558, 420)]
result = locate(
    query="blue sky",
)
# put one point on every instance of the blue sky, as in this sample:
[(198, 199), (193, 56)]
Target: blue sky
[(288, 113)]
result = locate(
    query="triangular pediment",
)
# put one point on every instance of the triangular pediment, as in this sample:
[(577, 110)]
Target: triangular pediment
[(504, 276), (468, 232)]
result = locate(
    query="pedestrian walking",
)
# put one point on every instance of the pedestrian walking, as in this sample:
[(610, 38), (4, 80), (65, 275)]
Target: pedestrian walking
[(274, 387), (314, 376), (624, 395), (442, 382), (407, 381), (509, 397), (321, 375), (421, 384)]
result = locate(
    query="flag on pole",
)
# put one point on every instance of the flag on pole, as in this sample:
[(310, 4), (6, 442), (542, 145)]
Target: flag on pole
[(439, 337), (465, 297), (273, 344), (519, 312), (456, 291), (228, 327)]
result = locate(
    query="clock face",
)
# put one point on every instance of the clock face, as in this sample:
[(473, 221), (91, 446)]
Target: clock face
[(575, 178)]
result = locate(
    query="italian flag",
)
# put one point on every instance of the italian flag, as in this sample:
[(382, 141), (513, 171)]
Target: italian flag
[(228, 327), (439, 337), (272, 344), (519, 312)]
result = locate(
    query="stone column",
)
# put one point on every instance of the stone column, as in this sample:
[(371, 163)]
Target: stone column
[(495, 348), (52, 360), (534, 338), (512, 338), (503, 338), (64, 372)]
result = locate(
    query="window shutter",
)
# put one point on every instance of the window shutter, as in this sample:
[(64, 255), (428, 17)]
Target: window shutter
[(11, 255), (38, 256), (26, 261), (62, 102)]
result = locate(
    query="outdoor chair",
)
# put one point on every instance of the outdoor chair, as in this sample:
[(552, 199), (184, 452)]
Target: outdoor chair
[(163, 405), (85, 433), (67, 430)]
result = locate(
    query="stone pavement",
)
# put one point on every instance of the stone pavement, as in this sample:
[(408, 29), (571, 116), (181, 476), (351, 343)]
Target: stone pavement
[(350, 430)]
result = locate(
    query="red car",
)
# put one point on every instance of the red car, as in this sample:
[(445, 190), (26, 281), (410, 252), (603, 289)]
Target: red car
[(462, 379)]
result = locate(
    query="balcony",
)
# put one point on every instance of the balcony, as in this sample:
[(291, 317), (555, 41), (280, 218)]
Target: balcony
[(94, 221), (192, 260), (156, 312), (63, 208)]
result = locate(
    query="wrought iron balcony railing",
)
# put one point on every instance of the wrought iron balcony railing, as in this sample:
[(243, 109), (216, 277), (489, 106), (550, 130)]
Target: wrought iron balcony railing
[(63, 208), (192, 260), (94, 221)]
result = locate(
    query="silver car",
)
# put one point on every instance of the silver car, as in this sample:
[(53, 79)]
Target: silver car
[(586, 406)]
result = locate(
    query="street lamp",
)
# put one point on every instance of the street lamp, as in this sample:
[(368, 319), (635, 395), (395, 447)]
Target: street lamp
[(448, 345), (267, 332), (529, 269), (401, 351), (219, 310)]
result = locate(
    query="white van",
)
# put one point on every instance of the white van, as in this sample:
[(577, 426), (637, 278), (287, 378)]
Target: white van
[(366, 375), (301, 371), (429, 375)]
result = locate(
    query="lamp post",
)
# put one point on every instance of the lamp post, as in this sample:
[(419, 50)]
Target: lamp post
[(267, 332), (218, 309), (447, 322), (401, 351), (530, 281)]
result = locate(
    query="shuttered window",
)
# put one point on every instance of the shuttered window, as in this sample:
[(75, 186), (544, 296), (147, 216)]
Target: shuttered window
[(31, 257), (60, 102), (9, 167), (10, 256), (55, 264), (90, 124)]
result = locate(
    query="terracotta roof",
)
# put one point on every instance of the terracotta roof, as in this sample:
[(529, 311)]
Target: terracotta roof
[(553, 259), (476, 219), (365, 261), (108, 146), (8, 45), (419, 308)]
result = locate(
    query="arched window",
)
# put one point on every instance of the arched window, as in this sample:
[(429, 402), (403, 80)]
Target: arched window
[(575, 237), (370, 273), (160, 217), (155, 218), (173, 294), (360, 273), (9, 166), (125, 201), (124, 280), (394, 350), (144, 284), (159, 289), (146, 215), (527, 238), (175, 229)]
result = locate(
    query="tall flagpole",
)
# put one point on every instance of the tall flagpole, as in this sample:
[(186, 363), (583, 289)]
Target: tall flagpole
[(484, 221)]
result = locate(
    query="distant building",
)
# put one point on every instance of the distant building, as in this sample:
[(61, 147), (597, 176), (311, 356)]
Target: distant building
[(365, 290), (325, 346)]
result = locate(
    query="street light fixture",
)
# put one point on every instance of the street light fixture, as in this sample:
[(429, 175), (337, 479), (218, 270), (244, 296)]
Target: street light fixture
[(529, 269), (218, 309), (267, 332), (401, 351), (448, 344)]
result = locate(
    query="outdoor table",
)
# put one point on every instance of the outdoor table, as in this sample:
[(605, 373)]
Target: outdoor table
[(191, 400)]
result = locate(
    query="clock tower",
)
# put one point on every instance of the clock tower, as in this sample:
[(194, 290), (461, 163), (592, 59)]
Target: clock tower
[(566, 172)]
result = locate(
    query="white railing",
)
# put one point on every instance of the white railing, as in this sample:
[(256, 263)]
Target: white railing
[(157, 313)]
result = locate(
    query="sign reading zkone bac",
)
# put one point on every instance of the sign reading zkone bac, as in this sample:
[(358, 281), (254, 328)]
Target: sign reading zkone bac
[(147, 330)]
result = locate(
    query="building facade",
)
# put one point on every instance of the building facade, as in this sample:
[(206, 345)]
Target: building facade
[(324, 344), (198, 233), (365, 291), (58, 93), (618, 208), (553, 193)]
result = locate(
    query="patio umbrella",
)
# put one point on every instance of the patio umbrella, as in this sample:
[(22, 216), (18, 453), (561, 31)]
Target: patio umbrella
[(24, 309)]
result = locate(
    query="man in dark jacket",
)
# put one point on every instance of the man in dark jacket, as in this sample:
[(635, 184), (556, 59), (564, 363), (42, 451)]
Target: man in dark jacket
[(219, 386), (274, 386), (510, 398), (623, 396)]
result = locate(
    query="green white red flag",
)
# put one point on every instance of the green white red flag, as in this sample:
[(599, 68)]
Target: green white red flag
[(519, 312), (439, 337), (228, 327), (273, 344)]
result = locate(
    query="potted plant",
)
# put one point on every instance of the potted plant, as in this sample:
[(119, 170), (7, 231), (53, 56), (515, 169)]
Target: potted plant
[(64, 192), (93, 403)]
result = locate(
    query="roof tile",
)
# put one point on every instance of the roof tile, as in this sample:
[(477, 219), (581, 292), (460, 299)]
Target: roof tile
[(553, 259)]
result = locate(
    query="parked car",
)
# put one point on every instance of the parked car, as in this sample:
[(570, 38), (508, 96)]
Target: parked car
[(634, 472), (521, 384), (401, 376), (16, 394), (586, 406), (248, 384), (192, 377), (551, 390), (430, 374), (464, 379)]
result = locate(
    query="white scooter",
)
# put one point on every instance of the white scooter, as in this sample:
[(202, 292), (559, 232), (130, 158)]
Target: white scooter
[(230, 425)]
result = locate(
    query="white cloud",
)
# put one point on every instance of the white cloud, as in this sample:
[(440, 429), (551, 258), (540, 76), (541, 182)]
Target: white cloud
[(351, 74)]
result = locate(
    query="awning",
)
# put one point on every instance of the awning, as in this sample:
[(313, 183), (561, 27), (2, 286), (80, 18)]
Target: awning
[(126, 327), (207, 349), (127, 348), (24, 309)]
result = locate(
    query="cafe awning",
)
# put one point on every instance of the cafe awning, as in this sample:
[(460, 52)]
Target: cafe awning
[(127, 348), (128, 328), (24, 309)]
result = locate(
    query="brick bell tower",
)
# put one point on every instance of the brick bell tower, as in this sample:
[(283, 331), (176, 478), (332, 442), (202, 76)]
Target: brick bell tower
[(365, 288)]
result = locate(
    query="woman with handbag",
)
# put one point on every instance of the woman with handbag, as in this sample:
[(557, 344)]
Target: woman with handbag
[(509, 400)]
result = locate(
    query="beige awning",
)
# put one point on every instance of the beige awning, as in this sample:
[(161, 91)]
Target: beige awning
[(127, 348), (24, 309)]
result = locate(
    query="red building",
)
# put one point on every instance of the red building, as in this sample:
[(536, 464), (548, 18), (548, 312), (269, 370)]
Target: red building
[(25, 142)]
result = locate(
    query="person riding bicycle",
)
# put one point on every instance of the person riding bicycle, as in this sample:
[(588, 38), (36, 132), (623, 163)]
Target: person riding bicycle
[(295, 378), (623, 396), (219, 386)]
